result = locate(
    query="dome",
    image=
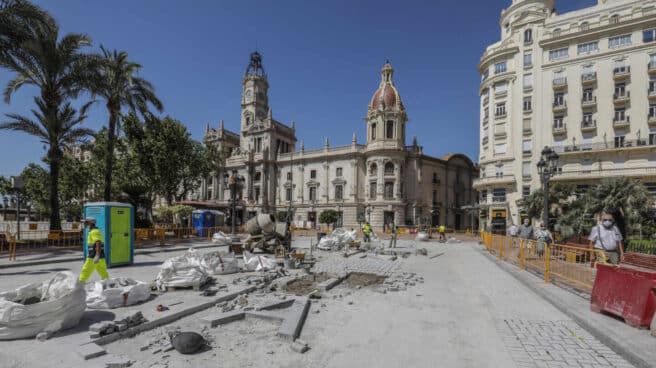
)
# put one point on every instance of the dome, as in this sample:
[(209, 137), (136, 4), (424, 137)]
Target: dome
[(386, 96)]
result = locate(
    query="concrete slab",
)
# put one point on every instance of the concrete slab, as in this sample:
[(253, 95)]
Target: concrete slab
[(291, 326), (89, 351), (329, 284), (221, 319), (276, 305)]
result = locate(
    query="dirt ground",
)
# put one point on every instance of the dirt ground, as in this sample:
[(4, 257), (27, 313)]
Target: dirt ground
[(306, 284), (363, 280)]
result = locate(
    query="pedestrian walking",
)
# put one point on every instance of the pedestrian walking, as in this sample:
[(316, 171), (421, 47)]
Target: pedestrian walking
[(543, 236), (607, 237), (526, 230), (95, 252), (393, 238)]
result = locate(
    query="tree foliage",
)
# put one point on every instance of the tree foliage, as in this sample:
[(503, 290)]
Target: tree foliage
[(57, 68), (174, 214), (328, 217)]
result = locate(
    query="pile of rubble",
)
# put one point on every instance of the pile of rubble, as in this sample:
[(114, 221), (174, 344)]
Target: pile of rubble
[(104, 328), (401, 282)]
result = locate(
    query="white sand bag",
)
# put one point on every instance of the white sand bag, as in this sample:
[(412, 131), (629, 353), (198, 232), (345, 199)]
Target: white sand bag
[(48, 306), (421, 236), (114, 293), (254, 262), (182, 271), (221, 238)]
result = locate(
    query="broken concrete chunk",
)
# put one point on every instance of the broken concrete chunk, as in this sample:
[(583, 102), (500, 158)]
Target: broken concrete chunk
[(89, 351), (300, 346), (42, 336), (118, 362)]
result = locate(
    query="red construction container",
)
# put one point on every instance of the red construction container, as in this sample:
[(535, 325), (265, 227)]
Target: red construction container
[(626, 291)]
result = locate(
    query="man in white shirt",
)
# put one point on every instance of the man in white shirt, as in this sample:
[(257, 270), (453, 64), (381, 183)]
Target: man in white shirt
[(607, 237), (512, 230)]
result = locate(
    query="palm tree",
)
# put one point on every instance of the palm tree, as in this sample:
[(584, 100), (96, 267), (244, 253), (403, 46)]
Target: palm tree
[(57, 68), (116, 81), (626, 199), (17, 21)]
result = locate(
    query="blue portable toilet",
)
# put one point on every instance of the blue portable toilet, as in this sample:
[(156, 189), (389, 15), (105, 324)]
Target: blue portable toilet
[(202, 219), (116, 222)]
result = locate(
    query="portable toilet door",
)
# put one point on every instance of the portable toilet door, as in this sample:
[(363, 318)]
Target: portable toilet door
[(198, 222), (116, 223)]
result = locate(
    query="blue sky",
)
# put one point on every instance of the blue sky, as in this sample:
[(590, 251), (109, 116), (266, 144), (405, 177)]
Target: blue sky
[(323, 60)]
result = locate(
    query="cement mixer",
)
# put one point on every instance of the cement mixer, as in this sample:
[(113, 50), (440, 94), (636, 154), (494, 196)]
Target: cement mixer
[(264, 233)]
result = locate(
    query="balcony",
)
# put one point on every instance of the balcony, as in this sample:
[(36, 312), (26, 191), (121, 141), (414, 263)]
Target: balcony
[(494, 180), (559, 106), (588, 78), (559, 129), (559, 83), (621, 72), (651, 119), (651, 67), (621, 122), (602, 146), (500, 115), (651, 93), (621, 98), (588, 102), (630, 172), (588, 126)]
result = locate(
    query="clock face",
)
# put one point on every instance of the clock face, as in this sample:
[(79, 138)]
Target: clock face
[(248, 96)]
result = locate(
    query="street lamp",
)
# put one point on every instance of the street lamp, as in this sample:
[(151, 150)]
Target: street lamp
[(17, 186), (547, 168), (234, 182), (5, 201)]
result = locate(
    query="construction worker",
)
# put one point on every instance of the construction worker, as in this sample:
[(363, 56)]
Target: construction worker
[(366, 232), (393, 238), (442, 230), (95, 252)]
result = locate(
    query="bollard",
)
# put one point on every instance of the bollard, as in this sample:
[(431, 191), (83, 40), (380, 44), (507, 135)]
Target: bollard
[(547, 259)]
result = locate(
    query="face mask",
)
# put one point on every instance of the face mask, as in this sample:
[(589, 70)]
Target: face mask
[(607, 223)]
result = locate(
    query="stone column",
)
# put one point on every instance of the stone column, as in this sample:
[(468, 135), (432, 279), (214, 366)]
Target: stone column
[(326, 170), (381, 180)]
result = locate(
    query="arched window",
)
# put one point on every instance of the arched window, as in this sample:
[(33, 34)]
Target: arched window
[(389, 168), (373, 131), (258, 176), (528, 36), (390, 129), (373, 169)]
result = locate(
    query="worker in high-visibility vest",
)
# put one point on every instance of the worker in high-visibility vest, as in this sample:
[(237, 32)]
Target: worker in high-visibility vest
[(95, 252), (442, 231), (366, 232)]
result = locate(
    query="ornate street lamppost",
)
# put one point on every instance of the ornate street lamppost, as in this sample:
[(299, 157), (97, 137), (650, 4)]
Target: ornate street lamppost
[(547, 168), (5, 201), (234, 183), (17, 186)]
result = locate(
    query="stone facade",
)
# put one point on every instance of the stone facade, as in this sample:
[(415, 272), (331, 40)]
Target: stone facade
[(383, 181), (582, 82)]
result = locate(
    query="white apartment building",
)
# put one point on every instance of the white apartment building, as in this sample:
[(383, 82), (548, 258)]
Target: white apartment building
[(384, 180), (582, 82)]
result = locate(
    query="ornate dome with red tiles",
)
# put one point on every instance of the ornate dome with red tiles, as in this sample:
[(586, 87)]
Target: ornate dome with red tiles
[(386, 96)]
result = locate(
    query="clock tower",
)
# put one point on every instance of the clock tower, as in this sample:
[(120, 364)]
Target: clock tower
[(255, 111)]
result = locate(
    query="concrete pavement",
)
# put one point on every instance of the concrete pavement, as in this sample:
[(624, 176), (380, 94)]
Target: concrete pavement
[(469, 312)]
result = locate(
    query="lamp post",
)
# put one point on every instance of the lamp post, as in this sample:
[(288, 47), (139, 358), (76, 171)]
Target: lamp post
[(5, 202), (547, 168), (17, 186), (234, 182)]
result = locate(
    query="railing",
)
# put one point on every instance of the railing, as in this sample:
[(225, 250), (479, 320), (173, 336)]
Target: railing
[(495, 180), (590, 100), (621, 96), (589, 77), (588, 124), (621, 121), (600, 146), (651, 66), (622, 70), (558, 82), (573, 265), (598, 173)]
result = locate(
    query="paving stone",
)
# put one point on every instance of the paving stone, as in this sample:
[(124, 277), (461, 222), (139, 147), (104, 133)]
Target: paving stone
[(291, 326), (89, 351), (120, 361)]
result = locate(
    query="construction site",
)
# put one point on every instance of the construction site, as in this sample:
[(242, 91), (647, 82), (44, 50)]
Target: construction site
[(273, 299)]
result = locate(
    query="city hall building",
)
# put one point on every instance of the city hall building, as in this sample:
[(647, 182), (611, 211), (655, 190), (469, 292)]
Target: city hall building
[(384, 181), (582, 82)]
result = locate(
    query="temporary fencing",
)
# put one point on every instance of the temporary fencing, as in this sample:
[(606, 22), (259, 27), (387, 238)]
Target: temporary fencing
[(570, 264)]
